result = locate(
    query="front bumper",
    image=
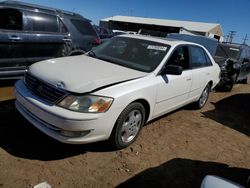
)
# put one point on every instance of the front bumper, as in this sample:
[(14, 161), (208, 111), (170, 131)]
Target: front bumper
[(11, 72), (54, 121)]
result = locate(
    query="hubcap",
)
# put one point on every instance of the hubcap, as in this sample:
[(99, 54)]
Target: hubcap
[(131, 126), (204, 97)]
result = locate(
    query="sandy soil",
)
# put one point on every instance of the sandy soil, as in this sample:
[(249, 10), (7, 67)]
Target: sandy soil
[(177, 150)]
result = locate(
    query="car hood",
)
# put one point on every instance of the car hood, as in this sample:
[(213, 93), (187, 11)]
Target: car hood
[(82, 74)]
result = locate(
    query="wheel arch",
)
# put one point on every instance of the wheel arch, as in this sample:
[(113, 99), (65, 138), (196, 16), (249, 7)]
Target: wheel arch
[(146, 105), (210, 84)]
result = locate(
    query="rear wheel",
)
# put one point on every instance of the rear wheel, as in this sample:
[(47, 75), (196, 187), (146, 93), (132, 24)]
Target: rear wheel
[(128, 125), (203, 98)]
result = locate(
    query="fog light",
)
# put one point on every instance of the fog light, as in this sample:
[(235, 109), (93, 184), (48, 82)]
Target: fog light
[(74, 134)]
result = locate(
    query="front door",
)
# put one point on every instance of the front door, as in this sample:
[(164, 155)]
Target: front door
[(173, 90), (13, 40)]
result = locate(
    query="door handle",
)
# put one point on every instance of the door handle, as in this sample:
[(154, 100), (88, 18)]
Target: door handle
[(15, 38), (189, 79), (66, 40)]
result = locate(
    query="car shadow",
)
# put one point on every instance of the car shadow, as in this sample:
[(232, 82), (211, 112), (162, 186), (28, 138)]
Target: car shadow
[(232, 112), (8, 83), (21, 139), (179, 173)]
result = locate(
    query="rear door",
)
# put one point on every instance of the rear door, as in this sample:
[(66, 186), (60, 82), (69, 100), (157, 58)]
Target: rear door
[(201, 68), (13, 40), (46, 40)]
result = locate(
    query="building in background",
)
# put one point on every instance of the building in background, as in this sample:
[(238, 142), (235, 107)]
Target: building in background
[(161, 27)]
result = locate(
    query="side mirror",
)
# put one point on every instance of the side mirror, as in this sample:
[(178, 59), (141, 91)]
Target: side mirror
[(172, 69)]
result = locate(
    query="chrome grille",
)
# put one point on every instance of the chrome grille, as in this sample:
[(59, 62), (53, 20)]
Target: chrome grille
[(43, 90)]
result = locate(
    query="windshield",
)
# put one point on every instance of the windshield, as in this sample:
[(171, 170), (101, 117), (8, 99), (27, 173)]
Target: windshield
[(138, 54), (227, 52)]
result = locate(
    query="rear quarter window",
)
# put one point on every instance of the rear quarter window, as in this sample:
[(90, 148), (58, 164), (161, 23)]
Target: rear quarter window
[(85, 28), (199, 57)]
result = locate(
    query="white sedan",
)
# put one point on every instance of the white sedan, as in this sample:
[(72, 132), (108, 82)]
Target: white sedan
[(113, 90)]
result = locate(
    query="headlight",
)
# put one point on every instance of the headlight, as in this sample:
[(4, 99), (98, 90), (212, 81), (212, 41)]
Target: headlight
[(86, 103)]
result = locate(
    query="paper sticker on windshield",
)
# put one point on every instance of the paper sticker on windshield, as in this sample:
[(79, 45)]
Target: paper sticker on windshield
[(160, 48), (235, 49)]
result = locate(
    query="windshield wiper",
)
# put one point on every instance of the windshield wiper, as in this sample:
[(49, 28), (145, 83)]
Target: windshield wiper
[(92, 54), (107, 59)]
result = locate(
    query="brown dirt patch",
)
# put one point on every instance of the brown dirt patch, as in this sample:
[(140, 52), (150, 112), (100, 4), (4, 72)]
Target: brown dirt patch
[(177, 150)]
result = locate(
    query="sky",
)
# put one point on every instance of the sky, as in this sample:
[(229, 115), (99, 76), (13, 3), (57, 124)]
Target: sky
[(233, 15)]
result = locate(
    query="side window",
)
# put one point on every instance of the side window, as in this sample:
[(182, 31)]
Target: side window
[(42, 22), (244, 54), (180, 57), (85, 28), (198, 57), (209, 63), (248, 54), (11, 19)]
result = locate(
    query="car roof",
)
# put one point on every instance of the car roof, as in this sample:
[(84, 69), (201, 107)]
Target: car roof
[(172, 42), (39, 8)]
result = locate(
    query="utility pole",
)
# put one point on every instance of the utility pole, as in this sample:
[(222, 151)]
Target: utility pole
[(231, 35), (245, 39), (226, 38)]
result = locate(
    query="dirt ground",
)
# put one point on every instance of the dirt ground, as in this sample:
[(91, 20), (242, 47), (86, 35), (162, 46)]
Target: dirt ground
[(177, 150)]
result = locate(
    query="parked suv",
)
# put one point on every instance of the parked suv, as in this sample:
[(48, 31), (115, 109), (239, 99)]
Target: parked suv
[(31, 33), (234, 61)]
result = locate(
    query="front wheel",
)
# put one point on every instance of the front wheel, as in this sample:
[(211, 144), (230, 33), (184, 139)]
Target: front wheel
[(203, 98), (128, 125), (228, 85)]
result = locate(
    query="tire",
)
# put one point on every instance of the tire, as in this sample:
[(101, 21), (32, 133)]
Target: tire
[(203, 98), (244, 81), (227, 87), (128, 126)]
